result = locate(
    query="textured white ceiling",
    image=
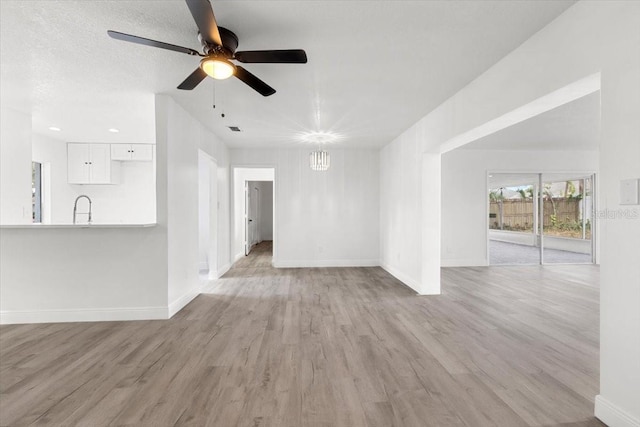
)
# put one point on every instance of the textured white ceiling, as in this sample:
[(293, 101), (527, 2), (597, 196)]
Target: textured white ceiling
[(375, 67), (572, 126)]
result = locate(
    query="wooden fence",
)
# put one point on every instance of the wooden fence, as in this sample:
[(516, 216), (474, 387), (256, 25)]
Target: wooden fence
[(517, 214)]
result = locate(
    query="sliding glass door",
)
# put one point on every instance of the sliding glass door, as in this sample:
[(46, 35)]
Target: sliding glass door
[(540, 218), (567, 219), (513, 223)]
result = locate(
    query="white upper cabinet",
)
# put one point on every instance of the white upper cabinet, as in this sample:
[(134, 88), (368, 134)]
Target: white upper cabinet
[(89, 164), (78, 163), (100, 164), (127, 152)]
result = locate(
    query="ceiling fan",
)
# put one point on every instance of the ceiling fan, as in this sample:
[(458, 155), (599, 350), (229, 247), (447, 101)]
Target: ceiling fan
[(219, 46)]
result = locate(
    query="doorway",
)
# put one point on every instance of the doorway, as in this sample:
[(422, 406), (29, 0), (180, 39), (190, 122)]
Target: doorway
[(207, 216), (259, 213), (254, 207), (541, 218)]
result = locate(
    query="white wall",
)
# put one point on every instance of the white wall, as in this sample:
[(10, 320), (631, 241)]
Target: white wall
[(131, 201), (400, 212), (590, 37), (265, 226), (208, 215), (204, 211), (464, 193), (322, 218), (179, 137), (15, 167)]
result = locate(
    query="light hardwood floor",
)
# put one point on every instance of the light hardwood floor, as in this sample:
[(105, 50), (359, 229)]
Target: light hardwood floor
[(502, 346)]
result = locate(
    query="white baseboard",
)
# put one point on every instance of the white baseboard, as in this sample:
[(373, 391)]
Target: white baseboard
[(185, 299), (83, 315), (478, 262), (326, 263), (222, 270), (410, 282), (238, 256), (612, 415)]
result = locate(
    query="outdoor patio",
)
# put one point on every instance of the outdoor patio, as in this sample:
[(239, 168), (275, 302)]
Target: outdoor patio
[(503, 253)]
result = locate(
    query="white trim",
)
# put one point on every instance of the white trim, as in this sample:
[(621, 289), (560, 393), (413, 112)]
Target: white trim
[(478, 262), (83, 315), (613, 415), (408, 281), (204, 266), (222, 270), (238, 256), (185, 299), (327, 263)]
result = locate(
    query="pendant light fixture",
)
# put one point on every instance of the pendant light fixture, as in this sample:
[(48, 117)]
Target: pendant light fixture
[(319, 160)]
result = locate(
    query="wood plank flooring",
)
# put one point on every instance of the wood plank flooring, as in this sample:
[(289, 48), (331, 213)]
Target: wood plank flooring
[(502, 346)]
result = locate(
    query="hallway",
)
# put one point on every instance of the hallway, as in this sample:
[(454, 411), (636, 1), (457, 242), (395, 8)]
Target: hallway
[(260, 257)]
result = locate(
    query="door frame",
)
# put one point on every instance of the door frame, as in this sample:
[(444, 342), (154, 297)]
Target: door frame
[(240, 173)]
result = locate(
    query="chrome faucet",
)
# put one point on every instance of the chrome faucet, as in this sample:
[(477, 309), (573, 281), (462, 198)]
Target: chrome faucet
[(75, 208)]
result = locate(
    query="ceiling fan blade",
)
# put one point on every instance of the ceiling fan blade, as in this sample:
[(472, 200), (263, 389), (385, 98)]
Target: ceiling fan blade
[(289, 56), (255, 83), (193, 80), (202, 13), (153, 43)]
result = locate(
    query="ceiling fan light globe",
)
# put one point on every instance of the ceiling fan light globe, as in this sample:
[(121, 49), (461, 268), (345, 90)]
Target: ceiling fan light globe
[(218, 68)]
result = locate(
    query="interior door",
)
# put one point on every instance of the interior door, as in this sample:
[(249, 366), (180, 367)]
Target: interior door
[(252, 199), (255, 215), (247, 238)]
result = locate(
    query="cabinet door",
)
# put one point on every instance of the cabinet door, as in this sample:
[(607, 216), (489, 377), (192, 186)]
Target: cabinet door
[(78, 163), (100, 171), (120, 151), (142, 152)]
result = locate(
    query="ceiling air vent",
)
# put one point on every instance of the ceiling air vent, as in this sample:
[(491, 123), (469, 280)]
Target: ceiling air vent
[(234, 128)]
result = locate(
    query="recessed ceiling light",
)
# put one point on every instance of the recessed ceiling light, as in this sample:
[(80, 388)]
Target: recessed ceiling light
[(55, 129), (114, 130)]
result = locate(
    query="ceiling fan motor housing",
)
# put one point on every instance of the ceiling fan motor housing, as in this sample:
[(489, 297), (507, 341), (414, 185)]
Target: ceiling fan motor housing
[(229, 44)]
